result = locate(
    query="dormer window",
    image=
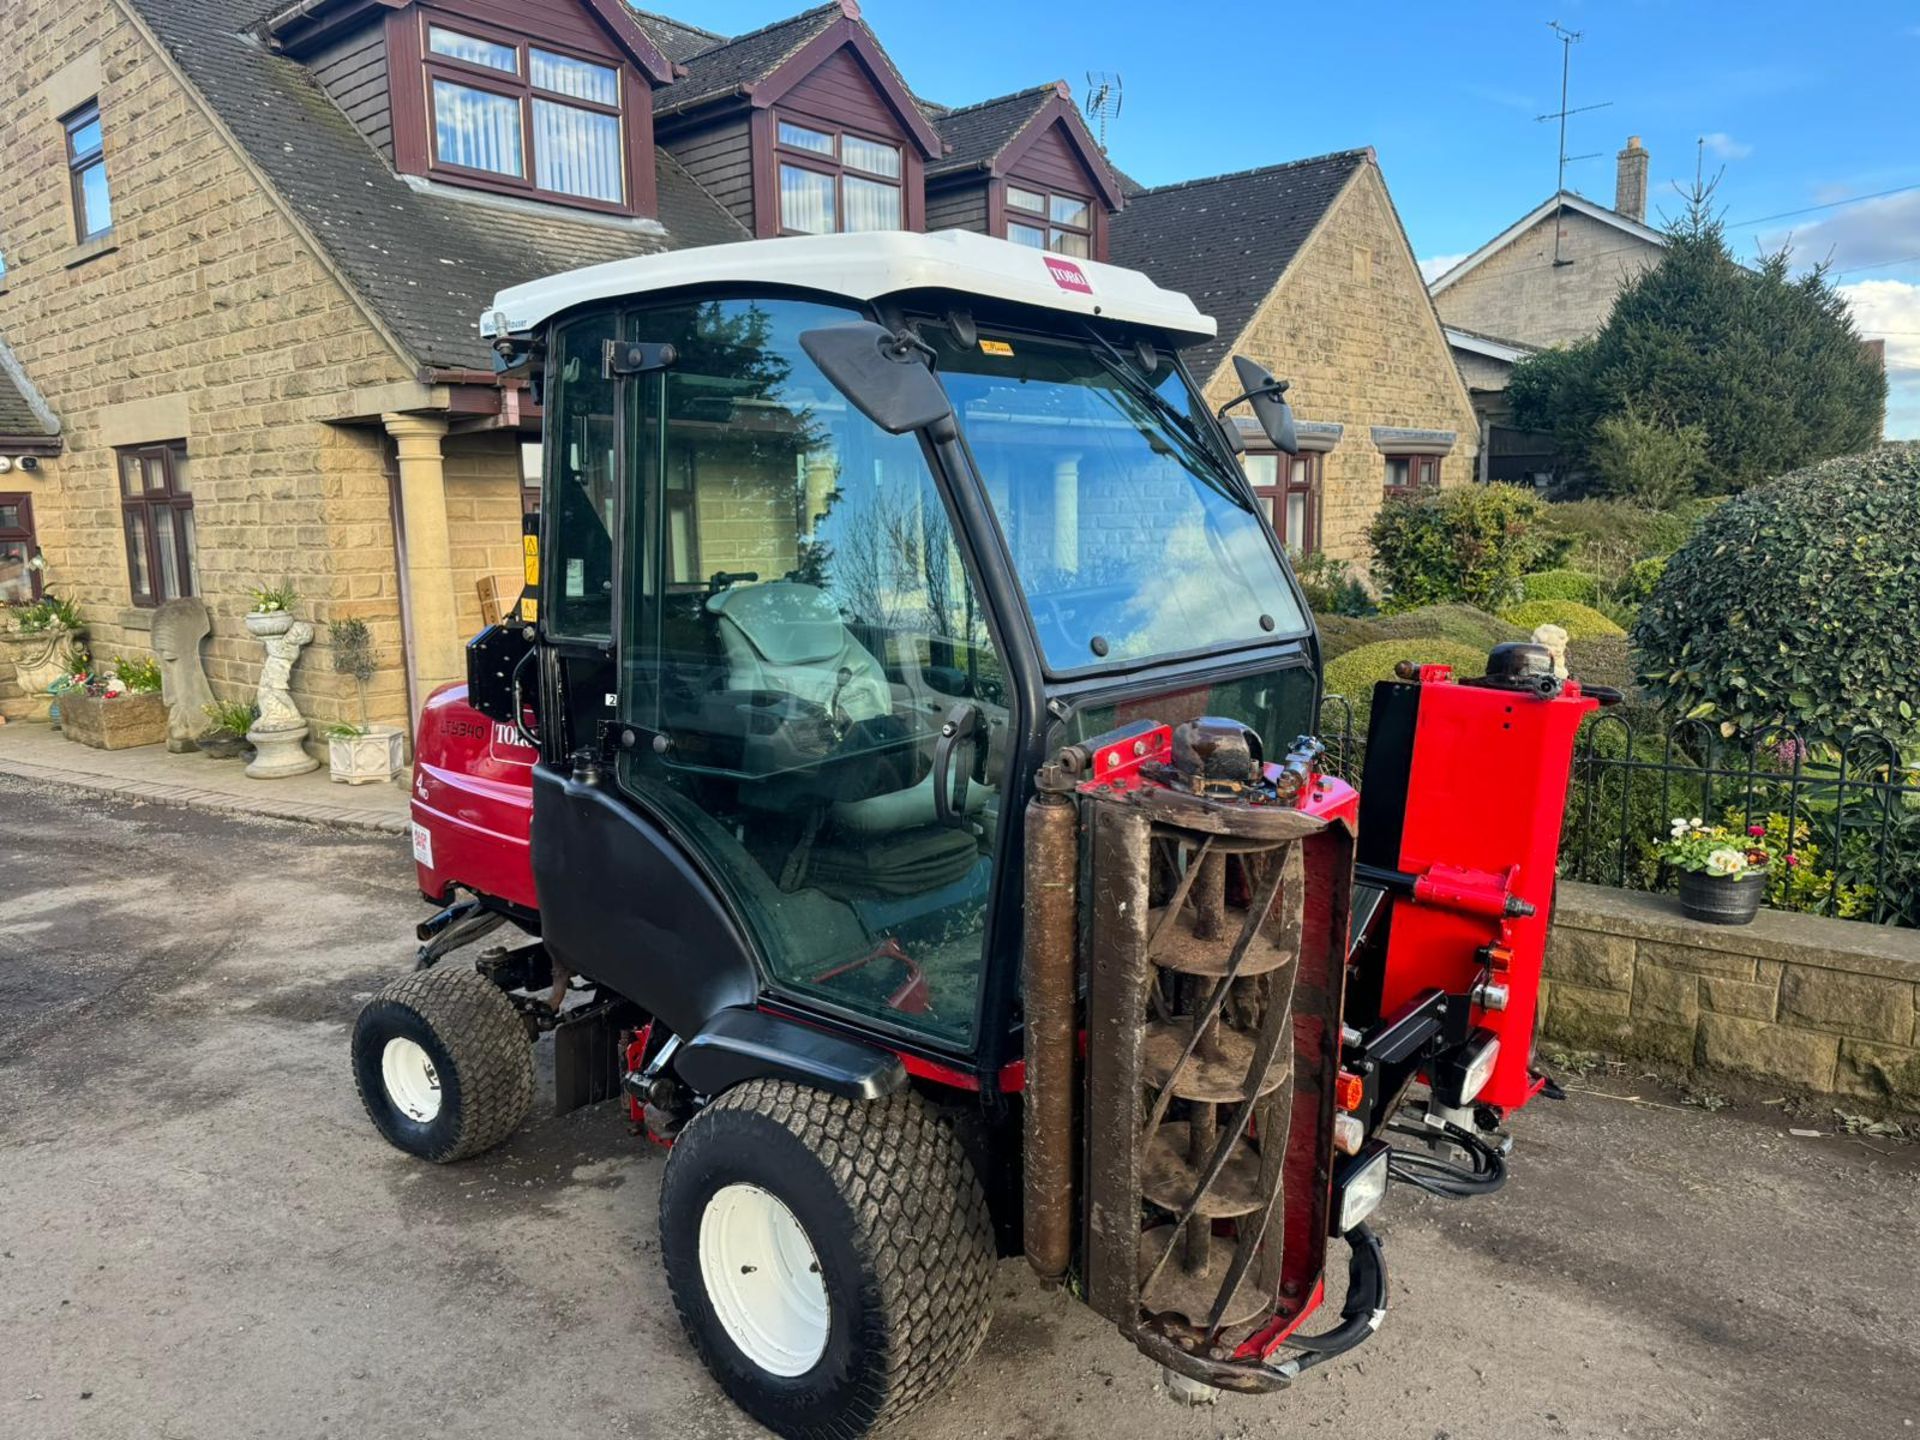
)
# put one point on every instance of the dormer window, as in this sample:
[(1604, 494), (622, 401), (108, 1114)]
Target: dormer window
[(518, 115), (1050, 221), (834, 181)]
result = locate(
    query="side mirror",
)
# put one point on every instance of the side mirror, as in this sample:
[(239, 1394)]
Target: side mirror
[(1269, 399), (888, 377)]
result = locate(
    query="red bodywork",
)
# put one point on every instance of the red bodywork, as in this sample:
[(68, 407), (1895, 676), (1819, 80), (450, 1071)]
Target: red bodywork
[(472, 803), (1484, 798)]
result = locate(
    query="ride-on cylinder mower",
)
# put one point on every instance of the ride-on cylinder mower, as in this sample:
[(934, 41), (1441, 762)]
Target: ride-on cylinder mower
[(890, 773)]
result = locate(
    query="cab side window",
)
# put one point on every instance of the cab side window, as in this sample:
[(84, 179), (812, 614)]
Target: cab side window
[(582, 426)]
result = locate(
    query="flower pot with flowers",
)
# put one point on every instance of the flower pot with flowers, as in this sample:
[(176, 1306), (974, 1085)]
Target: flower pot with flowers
[(227, 740), (35, 639), (116, 708), (1723, 871), (272, 612)]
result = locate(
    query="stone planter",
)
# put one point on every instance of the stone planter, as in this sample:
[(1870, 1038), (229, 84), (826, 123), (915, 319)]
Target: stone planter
[(269, 622), (36, 660), (1721, 900), (122, 723), (373, 758)]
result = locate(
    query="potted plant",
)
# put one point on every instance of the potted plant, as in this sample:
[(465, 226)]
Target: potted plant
[(1723, 872), (37, 638), (362, 754), (231, 721), (118, 708), (272, 612)]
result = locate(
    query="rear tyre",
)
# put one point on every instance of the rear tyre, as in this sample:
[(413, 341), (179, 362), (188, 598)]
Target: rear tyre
[(443, 1064), (830, 1258)]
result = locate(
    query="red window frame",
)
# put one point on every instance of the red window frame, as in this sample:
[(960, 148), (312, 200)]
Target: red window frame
[(141, 501), (833, 165), (1293, 475), (1423, 473), (23, 536), (519, 87), (1012, 215)]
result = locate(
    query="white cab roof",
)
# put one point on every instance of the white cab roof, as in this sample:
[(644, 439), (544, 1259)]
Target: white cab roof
[(866, 267)]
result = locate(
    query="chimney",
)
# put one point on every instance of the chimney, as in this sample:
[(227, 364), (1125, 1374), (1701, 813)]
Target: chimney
[(1630, 186)]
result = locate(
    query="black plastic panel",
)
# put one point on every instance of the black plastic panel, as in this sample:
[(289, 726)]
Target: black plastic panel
[(741, 1045)]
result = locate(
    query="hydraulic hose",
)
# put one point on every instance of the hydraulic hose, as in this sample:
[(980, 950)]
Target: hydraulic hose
[(1485, 1173)]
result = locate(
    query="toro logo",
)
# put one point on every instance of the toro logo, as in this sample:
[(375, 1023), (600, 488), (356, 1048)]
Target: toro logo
[(1068, 276)]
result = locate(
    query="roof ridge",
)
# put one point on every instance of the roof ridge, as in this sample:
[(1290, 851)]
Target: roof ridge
[(679, 24), (1364, 151), (837, 6), (1051, 85)]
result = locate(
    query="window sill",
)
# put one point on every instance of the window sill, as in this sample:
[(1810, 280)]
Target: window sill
[(91, 250)]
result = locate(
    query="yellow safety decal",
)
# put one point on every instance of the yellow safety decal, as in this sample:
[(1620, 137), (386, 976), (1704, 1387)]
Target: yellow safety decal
[(531, 545), (995, 347)]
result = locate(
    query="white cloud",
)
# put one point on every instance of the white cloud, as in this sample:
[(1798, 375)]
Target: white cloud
[(1723, 145), (1890, 310), (1432, 268), (1883, 232)]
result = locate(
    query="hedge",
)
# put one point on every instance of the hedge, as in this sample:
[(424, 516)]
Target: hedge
[(1355, 673), (1581, 622), (1560, 585)]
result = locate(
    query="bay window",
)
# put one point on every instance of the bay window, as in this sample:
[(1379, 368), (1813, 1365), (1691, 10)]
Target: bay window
[(833, 181), (521, 116), (1047, 220)]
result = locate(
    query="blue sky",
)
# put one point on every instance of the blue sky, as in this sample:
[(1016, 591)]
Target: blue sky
[(1803, 107)]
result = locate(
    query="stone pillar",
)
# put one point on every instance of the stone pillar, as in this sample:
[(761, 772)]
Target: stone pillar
[(436, 650), (1066, 513)]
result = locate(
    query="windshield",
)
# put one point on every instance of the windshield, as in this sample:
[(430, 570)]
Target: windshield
[(1130, 542)]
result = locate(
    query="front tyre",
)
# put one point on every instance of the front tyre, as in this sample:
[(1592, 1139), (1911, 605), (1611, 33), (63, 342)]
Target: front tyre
[(443, 1064), (830, 1258)]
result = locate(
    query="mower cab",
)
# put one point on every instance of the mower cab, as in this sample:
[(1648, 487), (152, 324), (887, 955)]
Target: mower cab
[(894, 759)]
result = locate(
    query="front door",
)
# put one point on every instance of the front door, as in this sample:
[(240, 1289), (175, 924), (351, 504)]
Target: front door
[(797, 630)]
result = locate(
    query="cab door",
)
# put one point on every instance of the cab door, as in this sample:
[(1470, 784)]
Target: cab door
[(818, 703)]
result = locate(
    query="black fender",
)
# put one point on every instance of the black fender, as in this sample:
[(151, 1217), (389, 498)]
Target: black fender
[(743, 1044), (621, 904)]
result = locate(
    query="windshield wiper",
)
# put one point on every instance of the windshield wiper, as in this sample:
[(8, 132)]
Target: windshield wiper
[(1224, 477)]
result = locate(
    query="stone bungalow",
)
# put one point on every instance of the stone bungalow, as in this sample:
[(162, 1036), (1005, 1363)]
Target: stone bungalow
[(245, 249), (1307, 269)]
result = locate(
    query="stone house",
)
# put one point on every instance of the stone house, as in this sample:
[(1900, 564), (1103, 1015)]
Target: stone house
[(1548, 279), (244, 258), (1307, 270)]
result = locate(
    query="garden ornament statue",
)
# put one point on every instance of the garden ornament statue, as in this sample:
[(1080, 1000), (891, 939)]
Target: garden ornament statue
[(178, 628), (1554, 637), (279, 735)]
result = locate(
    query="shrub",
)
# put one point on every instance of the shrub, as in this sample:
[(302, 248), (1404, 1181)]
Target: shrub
[(1605, 538), (1330, 585), (1355, 673), (232, 717), (1462, 624), (1471, 543), (1560, 585), (1341, 633), (1646, 462), (1581, 622), (1797, 602), (1637, 584), (1602, 660)]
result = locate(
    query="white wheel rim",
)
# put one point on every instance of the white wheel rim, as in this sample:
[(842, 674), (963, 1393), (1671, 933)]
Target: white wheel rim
[(412, 1083), (764, 1279)]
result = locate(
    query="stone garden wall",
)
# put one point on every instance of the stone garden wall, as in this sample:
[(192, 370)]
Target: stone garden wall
[(1824, 1005)]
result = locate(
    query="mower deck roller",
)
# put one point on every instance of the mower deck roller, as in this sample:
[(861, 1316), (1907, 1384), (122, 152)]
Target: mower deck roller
[(1212, 1004)]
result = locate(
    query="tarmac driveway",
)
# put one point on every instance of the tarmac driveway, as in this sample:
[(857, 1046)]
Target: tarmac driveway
[(201, 1236)]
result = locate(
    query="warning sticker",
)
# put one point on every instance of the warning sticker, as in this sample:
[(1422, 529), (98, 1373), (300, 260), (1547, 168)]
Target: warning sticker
[(422, 845), (995, 347)]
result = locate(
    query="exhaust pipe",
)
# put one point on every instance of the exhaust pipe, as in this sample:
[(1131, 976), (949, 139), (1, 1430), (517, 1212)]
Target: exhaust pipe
[(1048, 975)]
